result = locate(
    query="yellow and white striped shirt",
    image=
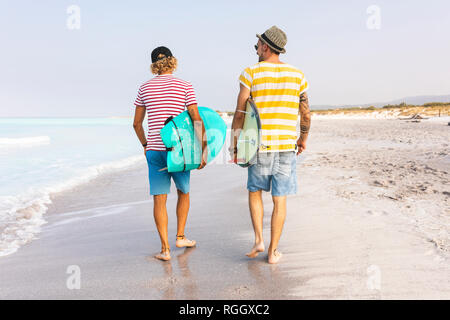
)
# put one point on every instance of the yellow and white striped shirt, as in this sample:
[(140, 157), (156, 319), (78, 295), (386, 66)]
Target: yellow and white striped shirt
[(276, 90)]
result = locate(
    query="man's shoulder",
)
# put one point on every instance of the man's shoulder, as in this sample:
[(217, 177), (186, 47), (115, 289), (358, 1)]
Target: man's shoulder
[(253, 66), (157, 81), (147, 83), (292, 68), (280, 66), (181, 81), (251, 70)]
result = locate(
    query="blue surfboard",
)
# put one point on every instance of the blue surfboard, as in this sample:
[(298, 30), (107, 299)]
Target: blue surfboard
[(185, 150)]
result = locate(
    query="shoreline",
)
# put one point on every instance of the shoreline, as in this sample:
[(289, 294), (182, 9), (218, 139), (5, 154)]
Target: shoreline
[(29, 215)]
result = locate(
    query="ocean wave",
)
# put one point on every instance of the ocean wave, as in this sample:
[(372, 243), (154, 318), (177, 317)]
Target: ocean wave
[(24, 142), (22, 216)]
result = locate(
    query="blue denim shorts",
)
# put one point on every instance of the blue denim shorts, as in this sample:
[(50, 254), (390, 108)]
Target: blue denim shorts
[(276, 169), (160, 180)]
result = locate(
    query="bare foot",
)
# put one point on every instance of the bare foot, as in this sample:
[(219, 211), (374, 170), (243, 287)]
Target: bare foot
[(257, 248), (275, 256), (184, 242), (163, 255)]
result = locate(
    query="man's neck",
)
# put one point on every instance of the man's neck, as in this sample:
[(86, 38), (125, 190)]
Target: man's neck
[(274, 58)]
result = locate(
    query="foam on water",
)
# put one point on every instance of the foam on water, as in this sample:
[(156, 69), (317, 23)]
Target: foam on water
[(23, 142), (21, 216)]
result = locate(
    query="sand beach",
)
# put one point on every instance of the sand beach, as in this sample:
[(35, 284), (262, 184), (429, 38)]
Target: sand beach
[(371, 220)]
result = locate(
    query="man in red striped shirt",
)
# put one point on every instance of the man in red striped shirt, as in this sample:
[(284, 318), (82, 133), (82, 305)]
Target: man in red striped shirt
[(162, 97)]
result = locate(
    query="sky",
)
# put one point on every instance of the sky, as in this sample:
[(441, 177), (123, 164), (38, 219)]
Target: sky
[(350, 52)]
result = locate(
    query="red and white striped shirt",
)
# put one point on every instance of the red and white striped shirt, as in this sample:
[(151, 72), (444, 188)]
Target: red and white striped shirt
[(163, 96)]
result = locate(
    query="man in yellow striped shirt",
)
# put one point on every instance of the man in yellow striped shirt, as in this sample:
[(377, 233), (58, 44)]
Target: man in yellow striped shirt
[(279, 92)]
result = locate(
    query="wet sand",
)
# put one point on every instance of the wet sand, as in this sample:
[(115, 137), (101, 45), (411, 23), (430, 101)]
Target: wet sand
[(371, 220)]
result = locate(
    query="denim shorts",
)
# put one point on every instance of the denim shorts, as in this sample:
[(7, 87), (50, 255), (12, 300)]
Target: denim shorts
[(276, 169), (160, 180)]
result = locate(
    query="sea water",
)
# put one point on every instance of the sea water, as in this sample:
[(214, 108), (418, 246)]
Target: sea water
[(40, 157)]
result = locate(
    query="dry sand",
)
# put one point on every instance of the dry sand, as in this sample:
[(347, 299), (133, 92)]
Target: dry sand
[(371, 221)]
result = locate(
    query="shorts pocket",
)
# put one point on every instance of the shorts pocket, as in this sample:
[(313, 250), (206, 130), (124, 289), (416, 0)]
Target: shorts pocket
[(283, 163), (157, 158), (265, 163)]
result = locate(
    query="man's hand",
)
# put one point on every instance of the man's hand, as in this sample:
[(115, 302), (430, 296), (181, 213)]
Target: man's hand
[(204, 158), (301, 145), (239, 117), (233, 154)]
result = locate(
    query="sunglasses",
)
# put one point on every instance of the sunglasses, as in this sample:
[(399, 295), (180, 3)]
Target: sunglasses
[(257, 46)]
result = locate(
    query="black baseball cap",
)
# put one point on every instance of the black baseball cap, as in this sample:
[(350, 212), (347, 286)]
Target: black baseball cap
[(158, 51)]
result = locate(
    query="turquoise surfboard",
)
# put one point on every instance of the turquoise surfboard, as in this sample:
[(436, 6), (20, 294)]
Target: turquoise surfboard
[(185, 150), (249, 139)]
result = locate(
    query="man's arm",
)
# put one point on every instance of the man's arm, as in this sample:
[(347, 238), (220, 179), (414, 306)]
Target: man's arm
[(305, 122), (239, 117), (139, 115), (200, 132)]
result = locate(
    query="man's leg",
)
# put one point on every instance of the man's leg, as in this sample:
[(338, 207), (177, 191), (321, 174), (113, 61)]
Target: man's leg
[(160, 215), (182, 211), (278, 217), (257, 214), (182, 182)]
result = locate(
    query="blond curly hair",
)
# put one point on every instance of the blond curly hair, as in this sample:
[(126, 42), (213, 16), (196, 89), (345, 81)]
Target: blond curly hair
[(164, 65)]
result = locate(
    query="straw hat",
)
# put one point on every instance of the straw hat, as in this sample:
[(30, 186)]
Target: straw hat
[(275, 38)]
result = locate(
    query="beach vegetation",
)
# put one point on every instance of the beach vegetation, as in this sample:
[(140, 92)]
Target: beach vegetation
[(428, 109)]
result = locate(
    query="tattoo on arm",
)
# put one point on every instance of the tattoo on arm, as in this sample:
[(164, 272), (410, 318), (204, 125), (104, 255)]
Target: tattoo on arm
[(304, 97), (305, 114), (304, 129)]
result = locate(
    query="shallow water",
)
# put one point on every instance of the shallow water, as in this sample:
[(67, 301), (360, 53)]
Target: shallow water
[(39, 157)]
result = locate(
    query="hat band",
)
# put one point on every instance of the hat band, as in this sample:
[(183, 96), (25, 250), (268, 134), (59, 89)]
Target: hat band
[(271, 43)]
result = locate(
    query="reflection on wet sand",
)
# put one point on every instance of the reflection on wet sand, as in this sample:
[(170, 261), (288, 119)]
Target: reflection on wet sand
[(190, 287), (168, 291), (172, 286), (269, 278)]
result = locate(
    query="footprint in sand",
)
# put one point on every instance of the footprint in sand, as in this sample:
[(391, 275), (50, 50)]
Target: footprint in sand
[(378, 183), (242, 291)]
